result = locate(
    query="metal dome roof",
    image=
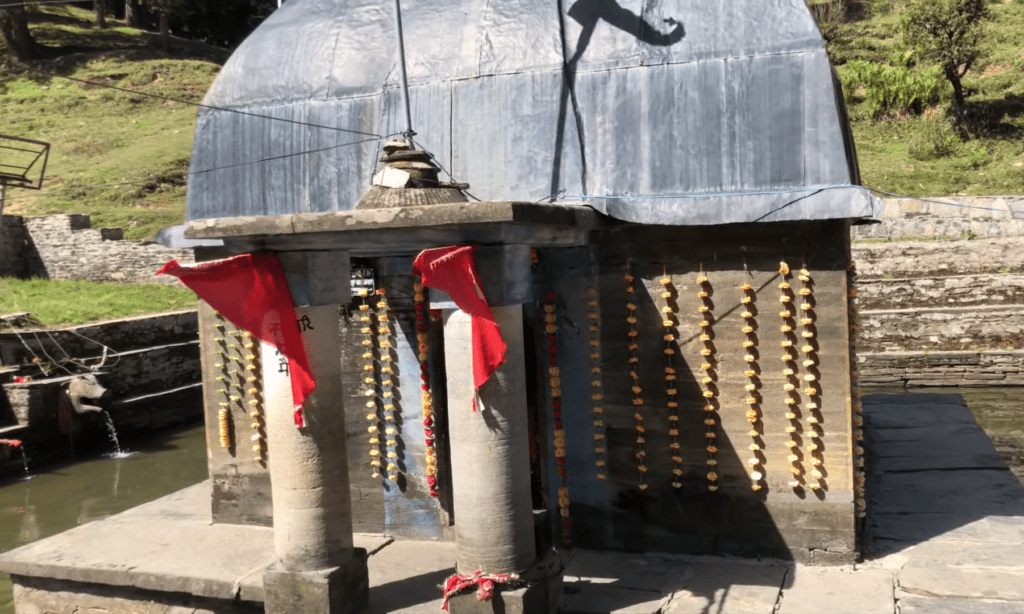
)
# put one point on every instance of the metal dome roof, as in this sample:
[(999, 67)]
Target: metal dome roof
[(652, 111)]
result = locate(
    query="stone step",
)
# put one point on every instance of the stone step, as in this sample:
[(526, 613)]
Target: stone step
[(962, 369), (986, 327), (952, 291), (916, 259)]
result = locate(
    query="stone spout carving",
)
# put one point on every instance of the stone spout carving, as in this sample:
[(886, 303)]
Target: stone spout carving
[(84, 387)]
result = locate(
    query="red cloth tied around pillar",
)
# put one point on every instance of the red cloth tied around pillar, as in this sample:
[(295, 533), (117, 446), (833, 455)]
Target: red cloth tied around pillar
[(453, 271), (252, 293), (484, 583)]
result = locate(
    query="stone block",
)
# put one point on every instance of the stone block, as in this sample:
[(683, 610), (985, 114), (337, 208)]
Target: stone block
[(965, 583), (534, 598), (340, 590), (915, 604), (838, 590)]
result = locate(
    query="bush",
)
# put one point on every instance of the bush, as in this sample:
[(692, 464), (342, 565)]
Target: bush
[(890, 90)]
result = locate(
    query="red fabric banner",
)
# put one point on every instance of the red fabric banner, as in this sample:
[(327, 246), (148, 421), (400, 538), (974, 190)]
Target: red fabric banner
[(252, 293), (452, 270)]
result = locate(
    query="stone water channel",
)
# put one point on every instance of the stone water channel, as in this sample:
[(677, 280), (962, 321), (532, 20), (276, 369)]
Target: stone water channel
[(56, 498)]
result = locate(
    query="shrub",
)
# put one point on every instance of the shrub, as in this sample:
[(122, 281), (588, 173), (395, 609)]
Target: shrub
[(890, 90)]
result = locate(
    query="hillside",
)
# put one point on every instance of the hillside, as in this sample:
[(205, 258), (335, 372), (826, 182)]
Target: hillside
[(118, 156), (123, 157)]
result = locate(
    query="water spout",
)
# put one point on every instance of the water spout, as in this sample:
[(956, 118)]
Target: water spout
[(113, 434), (16, 444), (85, 387)]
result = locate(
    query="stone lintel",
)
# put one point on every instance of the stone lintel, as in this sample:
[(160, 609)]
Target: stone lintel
[(369, 231)]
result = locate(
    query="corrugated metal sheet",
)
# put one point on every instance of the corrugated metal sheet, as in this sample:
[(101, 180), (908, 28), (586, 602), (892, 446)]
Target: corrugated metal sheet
[(652, 111)]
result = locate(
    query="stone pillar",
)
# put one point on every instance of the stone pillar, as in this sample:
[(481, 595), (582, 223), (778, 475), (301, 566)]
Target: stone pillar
[(318, 570), (490, 451)]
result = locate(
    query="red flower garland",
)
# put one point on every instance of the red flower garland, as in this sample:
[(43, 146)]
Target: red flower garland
[(556, 413), (420, 307)]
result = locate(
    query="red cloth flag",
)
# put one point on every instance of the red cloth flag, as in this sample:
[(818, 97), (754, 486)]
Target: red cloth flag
[(252, 292), (452, 270)]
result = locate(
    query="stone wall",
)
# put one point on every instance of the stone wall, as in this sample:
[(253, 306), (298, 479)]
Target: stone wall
[(65, 246), (962, 369), (942, 296), (151, 368), (960, 217)]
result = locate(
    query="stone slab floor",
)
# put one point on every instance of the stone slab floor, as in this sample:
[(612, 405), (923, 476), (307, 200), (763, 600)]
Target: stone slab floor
[(944, 535)]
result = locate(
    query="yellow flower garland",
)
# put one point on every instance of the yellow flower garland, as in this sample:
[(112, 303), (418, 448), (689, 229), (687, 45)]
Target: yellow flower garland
[(634, 376), (597, 385), (386, 386), (709, 366), (790, 371), (369, 369), (669, 322), (749, 299), (813, 414)]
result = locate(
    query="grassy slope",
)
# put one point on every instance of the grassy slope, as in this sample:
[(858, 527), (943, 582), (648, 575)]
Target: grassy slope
[(991, 160), (77, 302), (101, 136)]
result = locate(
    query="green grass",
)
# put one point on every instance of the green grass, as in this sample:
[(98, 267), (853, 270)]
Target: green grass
[(101, 136), (69, 303), (921, 155)]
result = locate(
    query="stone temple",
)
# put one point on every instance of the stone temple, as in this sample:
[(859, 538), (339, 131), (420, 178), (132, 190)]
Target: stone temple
[(658, 201)]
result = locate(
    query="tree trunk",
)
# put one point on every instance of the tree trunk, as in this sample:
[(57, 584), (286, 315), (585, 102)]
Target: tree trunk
[(958, 90), (165, 30), (133, 13), (100, 8), (14, 29)]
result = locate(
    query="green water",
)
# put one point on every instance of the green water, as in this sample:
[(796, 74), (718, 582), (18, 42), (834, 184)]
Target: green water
[(58, 498)]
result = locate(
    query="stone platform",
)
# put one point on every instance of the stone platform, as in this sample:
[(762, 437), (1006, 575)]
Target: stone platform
[(944, 534)]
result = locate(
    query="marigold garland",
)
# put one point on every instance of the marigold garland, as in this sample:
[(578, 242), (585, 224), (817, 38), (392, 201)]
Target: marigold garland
[(814, 418), (709, 365), (255, 398), (748, 299), (669, 321), (387, 393), (791, 372), (239, 387), (859, 476), (555, 383), (426, 397), (369, 369), (634, 379), (596, 383)]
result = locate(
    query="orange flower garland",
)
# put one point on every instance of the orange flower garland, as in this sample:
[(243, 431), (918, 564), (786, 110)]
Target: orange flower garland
[(634, 377), (369, 368), (709, 365), (812, 390), (755, 462), (387, 394), (669, 322), (555, 382), (426, 398), (596, 395), (791, 371)]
